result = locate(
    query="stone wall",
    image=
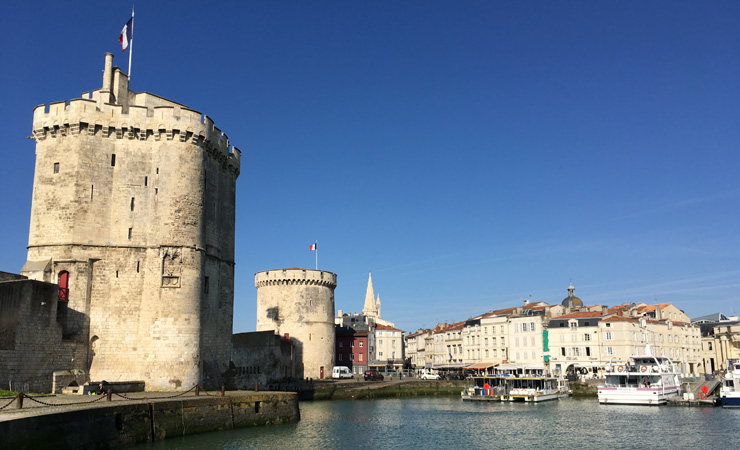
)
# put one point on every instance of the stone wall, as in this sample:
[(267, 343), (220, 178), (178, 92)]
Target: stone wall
[(31, 338), (300, 303), (262, 358)]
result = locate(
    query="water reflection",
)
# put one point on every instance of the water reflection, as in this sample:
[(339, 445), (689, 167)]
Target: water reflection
[(433, 423)]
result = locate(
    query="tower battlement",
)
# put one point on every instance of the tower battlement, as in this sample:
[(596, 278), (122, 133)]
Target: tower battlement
[(295, 276), (106, 120)]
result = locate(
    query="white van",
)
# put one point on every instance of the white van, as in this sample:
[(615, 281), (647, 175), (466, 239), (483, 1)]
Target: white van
[(341, 372)]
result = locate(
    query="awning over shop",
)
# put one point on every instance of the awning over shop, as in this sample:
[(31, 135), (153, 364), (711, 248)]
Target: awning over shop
[(507, 367), (481, 365), (533, 366)]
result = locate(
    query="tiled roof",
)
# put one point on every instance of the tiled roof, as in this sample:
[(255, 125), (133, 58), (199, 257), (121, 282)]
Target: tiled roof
[(576, 315)]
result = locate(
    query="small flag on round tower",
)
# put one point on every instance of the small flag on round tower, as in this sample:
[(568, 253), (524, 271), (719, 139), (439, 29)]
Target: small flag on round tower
[(313, 247)]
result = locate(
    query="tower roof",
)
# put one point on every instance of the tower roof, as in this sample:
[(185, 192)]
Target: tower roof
[(370, 308)]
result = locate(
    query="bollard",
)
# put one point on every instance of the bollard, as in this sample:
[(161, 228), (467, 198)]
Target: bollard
[(109, 393), (197, 390), (19, 403), (222, 391)]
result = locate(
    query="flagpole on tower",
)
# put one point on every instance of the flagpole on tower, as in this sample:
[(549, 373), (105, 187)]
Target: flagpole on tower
[(131, 51), (317, 255)]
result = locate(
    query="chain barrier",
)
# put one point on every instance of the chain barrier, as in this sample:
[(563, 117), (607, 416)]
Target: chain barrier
[(102, 397), (9, 403)]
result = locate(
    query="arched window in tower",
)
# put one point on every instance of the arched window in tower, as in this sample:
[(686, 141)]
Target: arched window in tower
[(64, 285)]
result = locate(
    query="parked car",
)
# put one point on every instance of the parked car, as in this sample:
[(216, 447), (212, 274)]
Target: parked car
[(373, 375), (430, 376), (341, 372), (455, 376)]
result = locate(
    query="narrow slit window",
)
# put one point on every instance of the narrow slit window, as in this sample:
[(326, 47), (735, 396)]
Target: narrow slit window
[(132, 203), (146, 179), (137, 266), (130, 230), (56, 167), (92, 191), (113, 160)]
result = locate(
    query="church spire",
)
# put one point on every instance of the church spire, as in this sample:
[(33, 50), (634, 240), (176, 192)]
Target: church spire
[(369, 309)]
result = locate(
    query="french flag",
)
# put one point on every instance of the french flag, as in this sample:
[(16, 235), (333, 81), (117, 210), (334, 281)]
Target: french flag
[(312, 247), (127, 34)]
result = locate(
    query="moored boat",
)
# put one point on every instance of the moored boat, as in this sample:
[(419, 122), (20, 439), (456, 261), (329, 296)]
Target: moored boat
[(510, 388), (643, 380), (730, 396)]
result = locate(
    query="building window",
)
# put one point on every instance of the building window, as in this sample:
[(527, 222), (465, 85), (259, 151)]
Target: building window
[(130, 232), (360, 357), (56, 167), (610, 351), (206, 287), (340, 357), (64, 286), (113, 160), (587, 337), (341, 344), (380, 354), (351, 356), (588, 351), (532, 327), (361, 344), (132, 203), (352, 344), (608, 336), (146, 181)]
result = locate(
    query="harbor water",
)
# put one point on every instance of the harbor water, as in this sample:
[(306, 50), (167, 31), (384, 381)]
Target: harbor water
[(449, 423)]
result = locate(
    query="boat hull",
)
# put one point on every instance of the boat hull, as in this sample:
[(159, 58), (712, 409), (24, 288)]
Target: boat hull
[(636, 396), (731, 401)]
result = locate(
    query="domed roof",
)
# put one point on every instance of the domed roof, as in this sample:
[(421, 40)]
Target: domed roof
[(571, 301)]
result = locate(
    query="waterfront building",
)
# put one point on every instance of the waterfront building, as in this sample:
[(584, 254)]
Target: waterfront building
[(448, 343), (389, 349), (352, 349), (416, 348), (720, 341), (574, 343)]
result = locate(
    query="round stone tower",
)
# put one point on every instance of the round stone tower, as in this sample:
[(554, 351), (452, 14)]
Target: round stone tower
[(133, 214), (300, 303)]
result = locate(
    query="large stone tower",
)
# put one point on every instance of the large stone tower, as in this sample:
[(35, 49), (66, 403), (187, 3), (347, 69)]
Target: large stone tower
[(133, 215), (300, 303)]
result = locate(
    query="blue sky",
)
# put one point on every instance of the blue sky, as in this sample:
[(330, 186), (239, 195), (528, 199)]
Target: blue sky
[(470, 154)]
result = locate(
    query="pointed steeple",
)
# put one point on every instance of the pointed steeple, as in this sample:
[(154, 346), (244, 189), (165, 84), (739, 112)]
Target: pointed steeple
[(369, 308)]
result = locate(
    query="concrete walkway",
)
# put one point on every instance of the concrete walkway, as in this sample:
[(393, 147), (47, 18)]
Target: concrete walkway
[(59, 403)]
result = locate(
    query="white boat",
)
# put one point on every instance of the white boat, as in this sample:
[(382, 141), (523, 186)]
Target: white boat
[(535, 389), (643, 380), (731, 386), (509, 388)]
